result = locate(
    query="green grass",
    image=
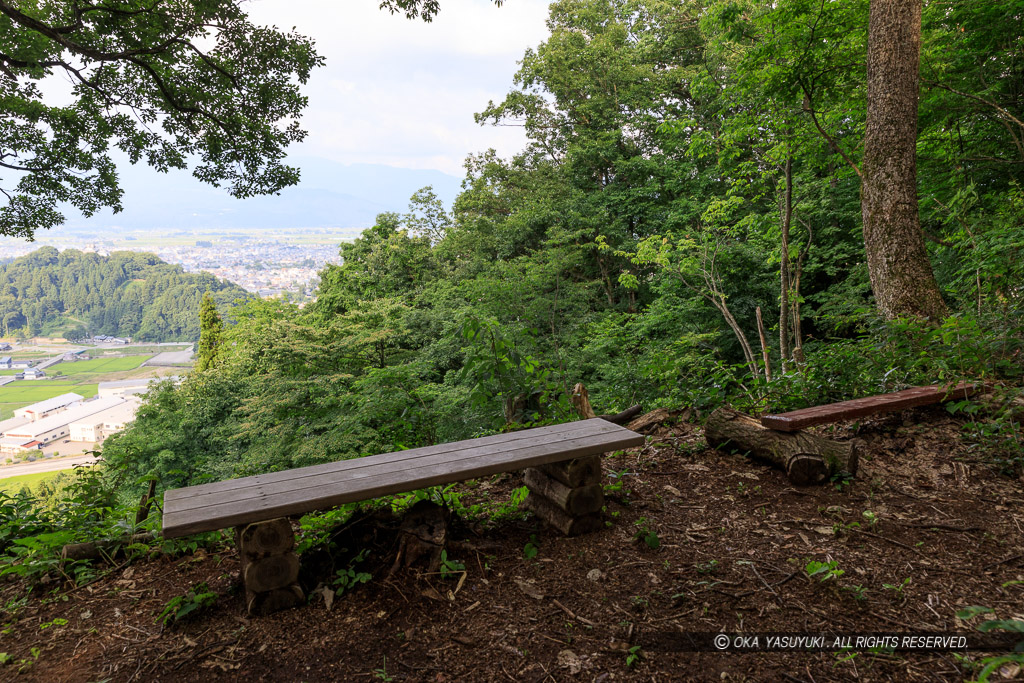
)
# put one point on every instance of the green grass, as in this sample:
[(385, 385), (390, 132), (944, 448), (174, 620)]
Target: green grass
[(97, 366), (15, 484), (19, 394), (153, 349)]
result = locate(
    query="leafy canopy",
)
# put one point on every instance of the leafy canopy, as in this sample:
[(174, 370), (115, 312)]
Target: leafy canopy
[(173, 82)]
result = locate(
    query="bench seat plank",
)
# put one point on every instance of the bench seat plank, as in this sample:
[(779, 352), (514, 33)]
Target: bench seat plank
[(860, 407), (208, 507)]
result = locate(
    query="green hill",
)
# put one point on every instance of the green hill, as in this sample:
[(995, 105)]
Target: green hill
[(127, 294)]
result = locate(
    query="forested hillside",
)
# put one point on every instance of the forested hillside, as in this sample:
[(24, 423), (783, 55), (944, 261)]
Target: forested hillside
[(689, 166), (731, 204), (74, 294)]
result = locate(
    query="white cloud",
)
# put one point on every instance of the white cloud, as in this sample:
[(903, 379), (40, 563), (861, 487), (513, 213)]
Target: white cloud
[(402, 92)]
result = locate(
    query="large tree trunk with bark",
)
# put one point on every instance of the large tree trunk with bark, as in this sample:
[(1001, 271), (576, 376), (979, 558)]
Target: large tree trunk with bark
[(901, 275)]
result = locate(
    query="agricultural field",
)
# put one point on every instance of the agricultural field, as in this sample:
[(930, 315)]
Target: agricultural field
[(98, 366), (18, 394), (12, 485), (151, 349)]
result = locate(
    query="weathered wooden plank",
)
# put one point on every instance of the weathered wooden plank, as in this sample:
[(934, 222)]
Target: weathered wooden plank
[(305, 477), (293, 497), (364, 478), (589, 426), (861, 407)]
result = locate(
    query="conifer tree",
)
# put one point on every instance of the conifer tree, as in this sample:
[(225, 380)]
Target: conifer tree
[(210, 330)]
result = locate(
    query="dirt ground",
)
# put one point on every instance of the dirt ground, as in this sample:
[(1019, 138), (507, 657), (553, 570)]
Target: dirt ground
[(734, 538)]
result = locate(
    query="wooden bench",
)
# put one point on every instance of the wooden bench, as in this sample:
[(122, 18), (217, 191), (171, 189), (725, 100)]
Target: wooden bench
[(871, 405), (809, 458), (564, 484)]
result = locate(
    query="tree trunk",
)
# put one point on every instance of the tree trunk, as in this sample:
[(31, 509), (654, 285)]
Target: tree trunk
[(784, 315), (806, 458), (764, 346), (901, 275)]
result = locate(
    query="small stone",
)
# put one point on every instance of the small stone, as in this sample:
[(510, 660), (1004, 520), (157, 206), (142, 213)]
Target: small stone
[(595, 575), (567, 659)]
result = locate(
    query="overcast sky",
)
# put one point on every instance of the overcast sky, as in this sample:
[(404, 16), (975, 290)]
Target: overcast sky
[(401, 92)]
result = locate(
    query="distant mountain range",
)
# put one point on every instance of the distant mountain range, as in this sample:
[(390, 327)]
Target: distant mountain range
[(330, 195)]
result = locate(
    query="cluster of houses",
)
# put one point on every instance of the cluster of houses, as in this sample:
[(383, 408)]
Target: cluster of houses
[(28, 372), (65, 418), (107, 339)]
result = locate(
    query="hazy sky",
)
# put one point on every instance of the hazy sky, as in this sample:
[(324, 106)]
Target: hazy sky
[(401, 92)]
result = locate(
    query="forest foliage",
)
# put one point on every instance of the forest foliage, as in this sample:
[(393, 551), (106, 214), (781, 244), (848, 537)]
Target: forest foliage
[(75, 294), (683, 156)]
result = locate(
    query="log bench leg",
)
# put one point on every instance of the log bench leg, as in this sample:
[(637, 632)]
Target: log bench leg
[(567, 495), (270, 566)]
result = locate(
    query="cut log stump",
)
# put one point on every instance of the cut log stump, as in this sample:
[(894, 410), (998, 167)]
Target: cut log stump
[(423, 534), (570, 525), (567, 495), (581, 500), (268, 573), (261, 604), (805, 458), (575, 473), (272, 537), (269, 566)]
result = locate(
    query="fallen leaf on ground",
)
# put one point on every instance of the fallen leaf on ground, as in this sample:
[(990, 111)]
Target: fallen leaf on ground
[(530, 590)]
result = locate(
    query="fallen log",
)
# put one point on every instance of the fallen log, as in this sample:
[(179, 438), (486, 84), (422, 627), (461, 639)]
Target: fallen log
[(651, 419), (624, 417), (805, 458), (94, 550)]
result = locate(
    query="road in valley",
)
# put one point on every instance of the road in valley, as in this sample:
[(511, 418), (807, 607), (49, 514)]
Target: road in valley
[(50, 465)]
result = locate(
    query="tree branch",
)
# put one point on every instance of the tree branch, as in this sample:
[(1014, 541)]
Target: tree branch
[(808, 107), (990, 103)]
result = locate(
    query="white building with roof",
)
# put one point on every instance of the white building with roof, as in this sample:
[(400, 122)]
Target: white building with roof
[(129, 387), (15, 445), (51, 406), (11, 445), (57, 427), (99, 426)]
